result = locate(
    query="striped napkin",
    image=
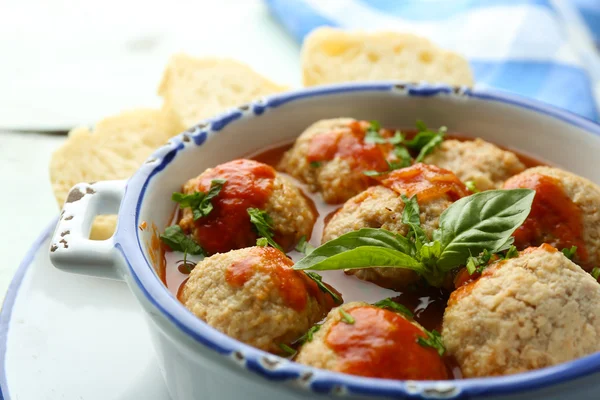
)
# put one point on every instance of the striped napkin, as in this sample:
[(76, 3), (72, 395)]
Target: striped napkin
[(543, 49)]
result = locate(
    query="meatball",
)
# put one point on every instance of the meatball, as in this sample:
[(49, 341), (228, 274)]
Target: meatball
[(524, 313), (249, 184), (372, 342), (481, 162), (331, 156), (565, 213), (382, 206), (255, 296)]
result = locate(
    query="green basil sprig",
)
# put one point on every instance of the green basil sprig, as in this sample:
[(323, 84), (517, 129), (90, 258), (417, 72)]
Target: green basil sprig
[(481, 222)]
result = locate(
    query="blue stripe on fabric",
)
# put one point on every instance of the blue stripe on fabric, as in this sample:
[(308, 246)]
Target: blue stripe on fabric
[(420, 10), (564, 86), (297, 17)]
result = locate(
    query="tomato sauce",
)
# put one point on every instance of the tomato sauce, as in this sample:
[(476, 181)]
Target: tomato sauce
[(293, 285), (383, 344), (554, 218), (350, 145), (426, 181), (228, 225)]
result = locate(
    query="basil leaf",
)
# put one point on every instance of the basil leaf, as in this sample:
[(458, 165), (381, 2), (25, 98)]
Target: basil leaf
[(304, 247), (433, 340), (346, 318), (199, 202), (596, 273), (404, 156), (430, 252), (356, 239), (361, 257), (482, 221), (308, 336), (323, 287), (179, 241), (569, 252), (262, 224), (187, 200), (411, 216), (262, 242), (373, 137), (512, 252)]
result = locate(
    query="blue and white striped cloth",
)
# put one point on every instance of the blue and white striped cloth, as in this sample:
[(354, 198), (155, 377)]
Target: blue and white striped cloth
[(536, 48)]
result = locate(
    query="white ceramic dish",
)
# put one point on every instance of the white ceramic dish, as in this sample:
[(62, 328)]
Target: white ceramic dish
[(71, 337), (196, 360)]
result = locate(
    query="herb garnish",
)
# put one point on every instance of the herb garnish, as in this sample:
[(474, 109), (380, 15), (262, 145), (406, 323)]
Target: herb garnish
[(179, 241), (199, 202), (323, 287), (263, 225), (511, 253), (315, 164), (290, 352), (262, 242), (482, 221), (434, 340), (426, 140), (304, 247), (392, 305), (570, 252), (472, 186), (308, 336), (347, 318), (596, 273), (478, 264), (392, 166)]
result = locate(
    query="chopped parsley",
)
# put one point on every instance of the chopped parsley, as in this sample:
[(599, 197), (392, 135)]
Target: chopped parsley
[(570, 252), (262, 242), (323, 287), (512, 252), (347, 318), (177, 240), (315, 164), (433, 340), (304, 247), (392, 166), (596, 273), (426, 140), (289, 351), (392, 305), (199, 202), (263, 225), (308, 336), (472, 186), (478, 264)]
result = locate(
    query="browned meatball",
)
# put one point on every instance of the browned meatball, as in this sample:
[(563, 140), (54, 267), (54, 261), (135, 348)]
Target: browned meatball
[(249, 184), (382, 206), (255, 296), (331, 156), (533, 311)]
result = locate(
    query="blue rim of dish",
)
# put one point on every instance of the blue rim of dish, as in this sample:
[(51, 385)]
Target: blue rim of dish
[(320, 381), (9, 302)]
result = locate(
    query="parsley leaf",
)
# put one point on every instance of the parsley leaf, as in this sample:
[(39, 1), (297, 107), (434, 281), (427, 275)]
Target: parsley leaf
[(411, 216), (392, 305), (426, 140), (315, 164), (347, 318), (434, 340), (179, 241), (478, 264), (596, 273), (304, 247), (323, 287), (199, 202), (289, 351), (512, 252), (374, 125), (570, 253), (262, 242), (392, 166), (308, 336), (262, 224), (472, 186)]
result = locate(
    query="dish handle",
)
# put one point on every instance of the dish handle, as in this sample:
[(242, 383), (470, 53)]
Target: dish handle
[(71, 249)]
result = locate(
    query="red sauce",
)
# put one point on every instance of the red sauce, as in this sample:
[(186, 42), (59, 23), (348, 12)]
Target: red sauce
[(426, 181), (294, 286), (554, 218), (350, 145), (249, 184), (383, 344)]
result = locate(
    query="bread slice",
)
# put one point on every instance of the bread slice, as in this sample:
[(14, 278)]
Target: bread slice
[(198, 88), (332, 55), (114, 150)]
